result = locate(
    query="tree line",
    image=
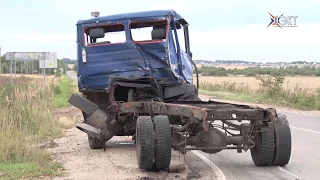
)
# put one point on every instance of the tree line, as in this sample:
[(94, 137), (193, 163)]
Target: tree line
[(254, 71)]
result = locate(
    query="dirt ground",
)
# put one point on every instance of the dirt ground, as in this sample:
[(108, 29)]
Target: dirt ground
[(117, 162)]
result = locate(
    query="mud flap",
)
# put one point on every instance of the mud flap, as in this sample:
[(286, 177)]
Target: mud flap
[(99, 123)]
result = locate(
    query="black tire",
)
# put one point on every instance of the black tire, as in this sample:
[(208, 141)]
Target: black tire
[(262, 153), (95, 143), (282, 138), (144, 142), (162, 156)]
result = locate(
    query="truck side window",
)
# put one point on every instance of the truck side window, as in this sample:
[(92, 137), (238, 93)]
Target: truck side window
[(107, 34)]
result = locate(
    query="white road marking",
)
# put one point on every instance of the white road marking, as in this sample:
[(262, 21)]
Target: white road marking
[(296, 176), (217, 171), (305, 129)]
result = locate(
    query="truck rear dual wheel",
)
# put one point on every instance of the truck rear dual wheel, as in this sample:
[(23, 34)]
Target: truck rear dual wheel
[(162, 145), (153, 142), (144, 142), (273, 148)]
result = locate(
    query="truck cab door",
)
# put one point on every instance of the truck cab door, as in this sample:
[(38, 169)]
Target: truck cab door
[(186, 66), (181, 37)]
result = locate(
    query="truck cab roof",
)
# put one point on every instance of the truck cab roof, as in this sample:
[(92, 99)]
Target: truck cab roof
[(133, 16)]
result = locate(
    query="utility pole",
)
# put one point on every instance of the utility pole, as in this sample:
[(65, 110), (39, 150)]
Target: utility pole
[(11, 72), (15, 67), (0, 62), (44, 70)]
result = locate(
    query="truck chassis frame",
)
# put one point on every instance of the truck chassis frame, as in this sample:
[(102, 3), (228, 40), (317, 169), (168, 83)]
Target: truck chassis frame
[(157, 126)]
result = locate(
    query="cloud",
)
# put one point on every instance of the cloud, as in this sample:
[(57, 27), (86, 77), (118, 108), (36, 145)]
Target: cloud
[(259, 34), (40, 38), (218, 29)]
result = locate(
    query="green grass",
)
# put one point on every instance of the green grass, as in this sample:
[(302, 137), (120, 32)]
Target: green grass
[(30, 170), (232, 96), (26, 120), (63, 91), (271, 91)]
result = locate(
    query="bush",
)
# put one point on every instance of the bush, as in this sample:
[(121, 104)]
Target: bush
[(58, 72), (271, 86), (271, 90)]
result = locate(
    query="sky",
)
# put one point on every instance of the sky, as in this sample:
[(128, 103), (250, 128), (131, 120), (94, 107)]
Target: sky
[(219, 30)]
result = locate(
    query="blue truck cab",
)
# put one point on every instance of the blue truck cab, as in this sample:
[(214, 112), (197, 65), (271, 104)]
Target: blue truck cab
[(156, 53), (131, 58)]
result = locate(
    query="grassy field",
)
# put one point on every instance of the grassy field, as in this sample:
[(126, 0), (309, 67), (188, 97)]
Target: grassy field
[(62, 92), (26, 120), (289, 83), (302, 92), (33, 76)]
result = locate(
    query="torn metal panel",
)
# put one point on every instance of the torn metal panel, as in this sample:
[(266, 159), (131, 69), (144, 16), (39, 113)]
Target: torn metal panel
[(178, 90), (82, 103), (92, 131)]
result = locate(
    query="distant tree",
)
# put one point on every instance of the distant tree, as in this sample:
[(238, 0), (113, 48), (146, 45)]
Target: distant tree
[(5, 68), (75, 67), (62, 65), (58, 72), (68, 61)]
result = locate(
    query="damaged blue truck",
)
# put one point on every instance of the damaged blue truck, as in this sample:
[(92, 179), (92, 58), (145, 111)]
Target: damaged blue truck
[(142, 85)]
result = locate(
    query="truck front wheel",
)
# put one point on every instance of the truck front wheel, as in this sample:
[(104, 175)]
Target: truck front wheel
[(162, 138)]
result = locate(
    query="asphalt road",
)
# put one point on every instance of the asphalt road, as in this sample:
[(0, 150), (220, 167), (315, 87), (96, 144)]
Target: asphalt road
[(304, 162), (72, 75)]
